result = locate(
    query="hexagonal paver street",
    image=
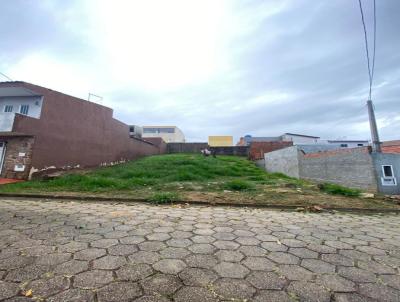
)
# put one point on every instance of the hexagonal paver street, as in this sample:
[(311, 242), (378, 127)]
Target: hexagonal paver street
[(77, 251)]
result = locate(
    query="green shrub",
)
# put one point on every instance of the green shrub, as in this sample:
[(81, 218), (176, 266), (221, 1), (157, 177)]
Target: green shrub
[(164, 197), (238, 185), (338, 190)]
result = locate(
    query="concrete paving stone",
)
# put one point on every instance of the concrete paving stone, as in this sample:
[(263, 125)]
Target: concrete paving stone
[(132, 240), (371, 250), (72, 246), (87, 237), (20, 299), (160, 284), (229, 256), (283, 235), (308, 291), (26, 273), (119, 292), (226, 245), (109, 262), (202, 248), (379, 292), (202, 239), (151, 246), (116, 235), (15, 262), (223, 229), (231, 270), (353, 241), (283, 258), (194, 294), (350, 297), (356, 274), (144, 257), (174, 253), (163, 229), (303, 253), (339, 245), (104, 243), (272, 296), (228, 289), (375, 267), (247, 240), (266, 280), (259, 264), (93, 279), (243, 233), (179, 242), (266, 237), (43, 288), (134, 272), (89, 254), (336, 283), (53, 259), (274, 246), (252, 251), (293, 243), (224, 236), (181, 234), (201, 261), (155, 298), (37, 250), (158, 237), (294, 272), (75, 294), (8, 289), (197, 276), (71, 267), (318, 266), (337, 259), (355, 255), (320, 248), (139, 232), (169, 266), (122, 249), (391, 280)]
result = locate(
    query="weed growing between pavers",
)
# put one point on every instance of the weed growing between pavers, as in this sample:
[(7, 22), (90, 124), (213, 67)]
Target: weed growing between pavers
[(164, 197)]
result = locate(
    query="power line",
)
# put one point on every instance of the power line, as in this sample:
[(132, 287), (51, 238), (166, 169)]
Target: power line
[(4, 75), (370, 69)]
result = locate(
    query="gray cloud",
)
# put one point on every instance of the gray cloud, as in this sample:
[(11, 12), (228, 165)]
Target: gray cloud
[(301, 69)]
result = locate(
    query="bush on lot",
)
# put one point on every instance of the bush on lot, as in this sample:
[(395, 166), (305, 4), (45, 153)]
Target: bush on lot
[(338, 190)]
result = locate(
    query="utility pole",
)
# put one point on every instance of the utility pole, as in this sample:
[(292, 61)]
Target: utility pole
[(376, 144)]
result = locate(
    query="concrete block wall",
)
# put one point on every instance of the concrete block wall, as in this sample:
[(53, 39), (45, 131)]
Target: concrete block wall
[(232, 150), (284, 161), (352, 168)]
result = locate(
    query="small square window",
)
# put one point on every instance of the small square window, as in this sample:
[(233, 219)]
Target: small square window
[(387, 171), (8, 108), (24, 109)]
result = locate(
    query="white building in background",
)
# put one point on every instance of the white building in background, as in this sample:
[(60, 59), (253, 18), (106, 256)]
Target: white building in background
[(300, 139), (348, 143), (170, 134)]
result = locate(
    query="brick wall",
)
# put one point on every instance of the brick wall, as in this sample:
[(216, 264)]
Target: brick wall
[(18, 152), (257, 149), (348, 167)]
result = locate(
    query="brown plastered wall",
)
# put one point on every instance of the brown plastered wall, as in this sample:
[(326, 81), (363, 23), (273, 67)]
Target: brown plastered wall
[(18, 152), (73, 132), (257, 149)]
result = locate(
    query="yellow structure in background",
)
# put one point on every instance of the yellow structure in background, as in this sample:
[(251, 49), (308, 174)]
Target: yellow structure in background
[(220, 141)]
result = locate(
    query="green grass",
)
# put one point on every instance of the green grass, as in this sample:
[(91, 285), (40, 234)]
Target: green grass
[(238, 185), (339, 190), (176, 177), (164, 197), (158, 173)]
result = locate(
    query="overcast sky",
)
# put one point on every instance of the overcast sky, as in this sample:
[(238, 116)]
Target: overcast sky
[(213, 67)]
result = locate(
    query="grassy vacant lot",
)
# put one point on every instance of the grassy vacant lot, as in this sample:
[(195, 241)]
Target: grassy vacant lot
[(192, 177)]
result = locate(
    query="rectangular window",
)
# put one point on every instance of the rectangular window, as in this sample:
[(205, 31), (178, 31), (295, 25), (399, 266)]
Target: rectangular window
[(24, 109), (360, 145), (343, 145), (8, 108), (387, 171)]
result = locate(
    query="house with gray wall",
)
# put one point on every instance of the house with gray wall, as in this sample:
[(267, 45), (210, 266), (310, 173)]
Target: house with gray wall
[(353, 167)]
